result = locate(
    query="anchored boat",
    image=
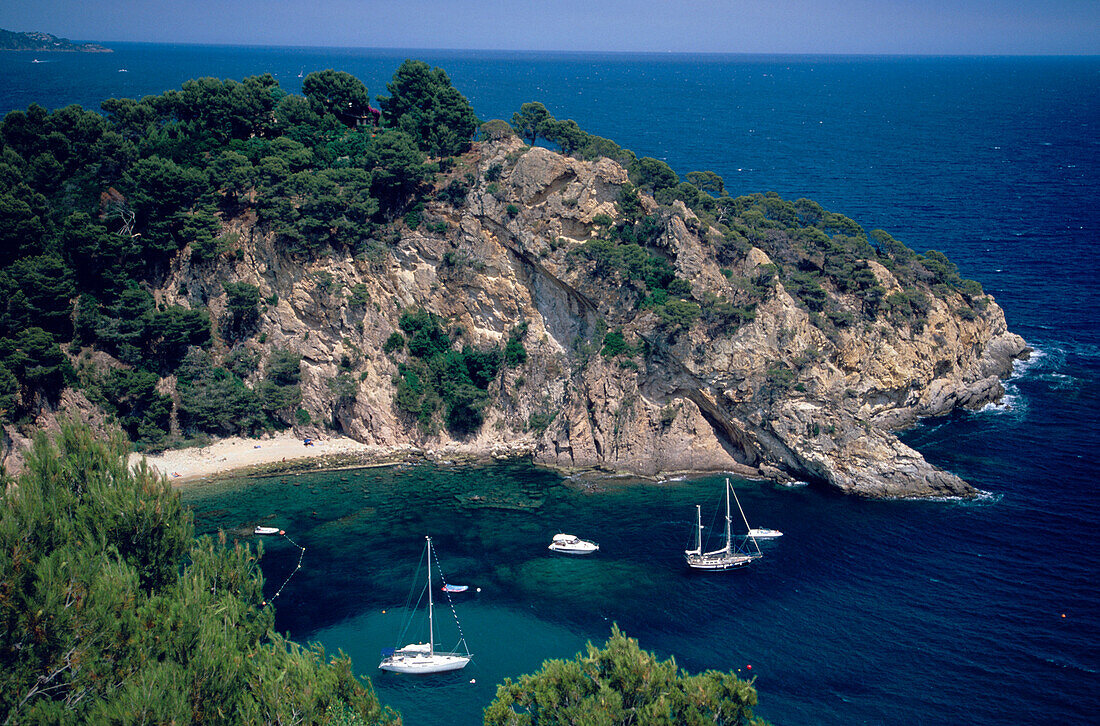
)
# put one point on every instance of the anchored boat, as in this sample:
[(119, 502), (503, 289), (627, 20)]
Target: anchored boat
[(572, 545), (726, 558), (423, 658)]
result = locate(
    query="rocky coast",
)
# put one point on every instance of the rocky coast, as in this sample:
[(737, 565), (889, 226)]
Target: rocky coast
[(778, 393)]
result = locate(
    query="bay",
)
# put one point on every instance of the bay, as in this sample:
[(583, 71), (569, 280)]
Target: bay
[(865, 612)]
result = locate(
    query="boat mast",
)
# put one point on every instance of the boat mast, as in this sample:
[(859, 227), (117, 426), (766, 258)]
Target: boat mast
[(698, 530), (729, 536), (431, 628)]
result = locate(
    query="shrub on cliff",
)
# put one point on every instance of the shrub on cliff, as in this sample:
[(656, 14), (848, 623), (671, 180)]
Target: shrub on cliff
[(621, 684), (112, 612)]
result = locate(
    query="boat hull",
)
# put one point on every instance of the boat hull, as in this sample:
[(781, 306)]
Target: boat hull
[(565, 550), (425, 663), (717, 564)]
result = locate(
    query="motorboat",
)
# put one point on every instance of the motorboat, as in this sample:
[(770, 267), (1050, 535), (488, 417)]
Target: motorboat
[(268, 530), (572, 545)]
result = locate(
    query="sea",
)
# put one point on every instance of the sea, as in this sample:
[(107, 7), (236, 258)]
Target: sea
[(871, 612)]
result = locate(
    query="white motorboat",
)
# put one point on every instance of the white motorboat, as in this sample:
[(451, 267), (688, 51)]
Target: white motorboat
[(762, 533), (422, 658), (268, 530), (572, 545), (726, 558)]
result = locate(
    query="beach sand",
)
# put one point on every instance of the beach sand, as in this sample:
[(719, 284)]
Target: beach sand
[(236, 454)]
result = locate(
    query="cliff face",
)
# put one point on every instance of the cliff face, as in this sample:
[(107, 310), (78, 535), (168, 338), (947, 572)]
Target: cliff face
[(704, 398)]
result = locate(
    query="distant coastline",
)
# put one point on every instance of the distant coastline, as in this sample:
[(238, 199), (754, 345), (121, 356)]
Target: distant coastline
[(46, 43)]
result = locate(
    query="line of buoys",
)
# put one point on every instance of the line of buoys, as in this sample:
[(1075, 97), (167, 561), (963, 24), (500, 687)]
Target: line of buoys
[(301, 556)]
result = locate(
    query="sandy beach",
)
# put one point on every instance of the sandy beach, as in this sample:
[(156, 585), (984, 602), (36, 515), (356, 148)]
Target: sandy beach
[(236, 454)]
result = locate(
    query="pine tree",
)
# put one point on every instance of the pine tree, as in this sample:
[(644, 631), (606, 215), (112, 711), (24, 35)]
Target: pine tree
[(622, 684), (112, 612)]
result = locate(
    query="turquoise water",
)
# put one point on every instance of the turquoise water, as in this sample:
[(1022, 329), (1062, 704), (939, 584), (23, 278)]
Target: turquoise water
[(869, 612), (865, 612)]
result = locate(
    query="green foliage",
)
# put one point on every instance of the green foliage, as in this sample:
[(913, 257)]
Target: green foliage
[(679, 313), (396, 341), (343, 388), (779, 376), (495, 130), (454, 193), (93, 207), (426, 336), (652, 174), (36, 360), (566, 134), (336, 92), (515, 354), (614, 344), (423, 104), (438, 375), (213, 400), (400, 171), (242, 311), (141, 411), (630, 204), (38, 290), (621, 684), (908, 306), (112, 612), (539, 421), (530, 121), (708, 182)]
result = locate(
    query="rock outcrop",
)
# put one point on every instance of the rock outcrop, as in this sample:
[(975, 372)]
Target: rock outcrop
[(704, 398)]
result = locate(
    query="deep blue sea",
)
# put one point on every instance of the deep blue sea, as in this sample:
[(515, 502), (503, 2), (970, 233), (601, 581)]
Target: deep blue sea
[(984, 612)]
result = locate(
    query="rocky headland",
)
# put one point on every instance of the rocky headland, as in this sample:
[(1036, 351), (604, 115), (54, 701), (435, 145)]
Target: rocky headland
[(45, 43), (741, 375)]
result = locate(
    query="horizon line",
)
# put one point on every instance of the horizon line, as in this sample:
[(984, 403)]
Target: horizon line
[(839, 54)]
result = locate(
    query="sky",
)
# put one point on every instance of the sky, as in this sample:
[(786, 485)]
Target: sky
[(937, 27)]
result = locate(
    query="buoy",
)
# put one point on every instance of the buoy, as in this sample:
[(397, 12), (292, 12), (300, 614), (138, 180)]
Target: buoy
[(479, 590), (1063, 615), (749, 667), (473, 680), (383, 612)]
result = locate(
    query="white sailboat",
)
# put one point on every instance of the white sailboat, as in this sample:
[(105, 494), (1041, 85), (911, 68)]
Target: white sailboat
[(422, 657), (726, 558)]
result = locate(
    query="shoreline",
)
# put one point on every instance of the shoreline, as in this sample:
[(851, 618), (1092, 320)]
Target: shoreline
[(238, 456)]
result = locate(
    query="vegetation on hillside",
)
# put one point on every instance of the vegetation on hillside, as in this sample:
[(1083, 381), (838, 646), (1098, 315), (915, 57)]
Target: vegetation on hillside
[(94, 206), (822, 258)]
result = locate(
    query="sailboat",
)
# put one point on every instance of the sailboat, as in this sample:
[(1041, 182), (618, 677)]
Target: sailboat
[(726, 558), (423, 657)]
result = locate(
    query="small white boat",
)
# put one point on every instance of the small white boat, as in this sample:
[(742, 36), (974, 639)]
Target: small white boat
[(572, 545), (268, 530), (762, 533)]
